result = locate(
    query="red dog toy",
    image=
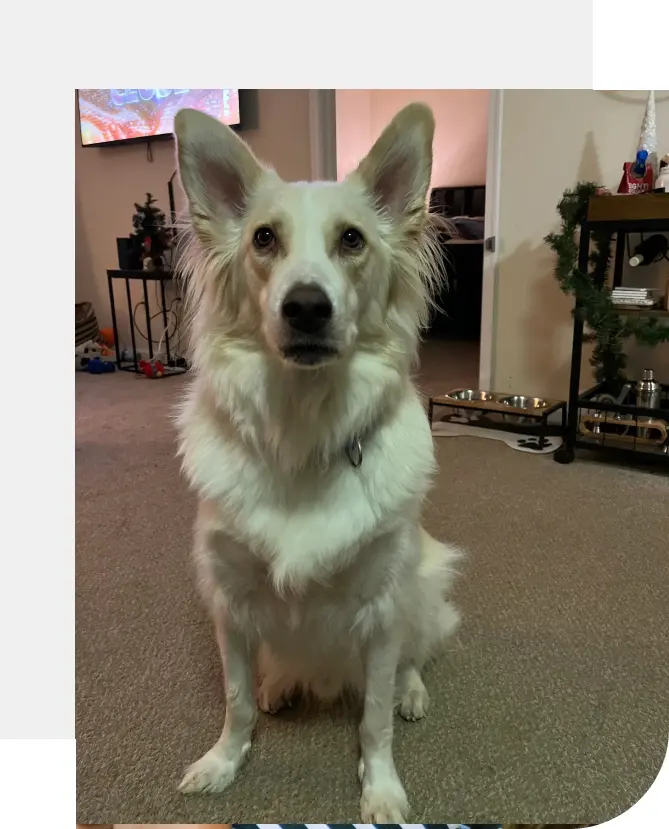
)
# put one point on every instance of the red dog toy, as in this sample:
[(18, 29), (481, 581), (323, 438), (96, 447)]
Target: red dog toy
[(152, 369)]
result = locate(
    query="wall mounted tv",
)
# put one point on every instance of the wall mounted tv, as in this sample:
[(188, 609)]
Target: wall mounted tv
[(120, 116)]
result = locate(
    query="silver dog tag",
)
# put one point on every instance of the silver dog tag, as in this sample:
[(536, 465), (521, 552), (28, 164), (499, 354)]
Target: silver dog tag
[(354, 451)]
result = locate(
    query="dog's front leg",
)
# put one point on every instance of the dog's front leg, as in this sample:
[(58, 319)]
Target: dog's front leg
[(217, 768), (383, 797)]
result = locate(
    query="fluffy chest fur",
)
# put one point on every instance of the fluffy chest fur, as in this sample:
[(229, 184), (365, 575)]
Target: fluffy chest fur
[(282, 482), (314, 620)]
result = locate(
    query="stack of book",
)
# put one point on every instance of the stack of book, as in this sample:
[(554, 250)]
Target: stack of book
[(636, 297)]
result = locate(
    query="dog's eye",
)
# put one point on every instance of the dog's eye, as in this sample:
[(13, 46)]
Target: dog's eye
[(351, 239), (263, 238)]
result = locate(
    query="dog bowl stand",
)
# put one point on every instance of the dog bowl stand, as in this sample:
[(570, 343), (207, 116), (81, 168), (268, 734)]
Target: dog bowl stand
[(494, 414)]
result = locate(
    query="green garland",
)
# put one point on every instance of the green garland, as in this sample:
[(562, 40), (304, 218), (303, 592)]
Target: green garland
[(608, 329)]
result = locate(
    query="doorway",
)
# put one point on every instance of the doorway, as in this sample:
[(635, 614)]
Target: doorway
[(457, 351)]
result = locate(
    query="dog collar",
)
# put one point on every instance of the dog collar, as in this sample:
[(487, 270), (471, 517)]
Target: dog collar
[(354, 451)]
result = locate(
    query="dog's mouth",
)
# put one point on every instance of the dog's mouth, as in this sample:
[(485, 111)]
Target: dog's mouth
[(309, 354)]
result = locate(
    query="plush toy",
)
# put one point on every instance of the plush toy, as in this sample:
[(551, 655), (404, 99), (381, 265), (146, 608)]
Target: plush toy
[(98, 366), (152, 368), (107, 337), (91, 350), (87, 351)]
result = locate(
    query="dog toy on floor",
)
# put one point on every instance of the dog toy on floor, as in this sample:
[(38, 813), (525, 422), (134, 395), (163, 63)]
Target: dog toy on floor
[(152, 368), (98, 366), (90, 350)]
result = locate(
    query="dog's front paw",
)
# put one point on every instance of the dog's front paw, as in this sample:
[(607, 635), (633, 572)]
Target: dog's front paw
[(384, 803), (272, 697), (414, 704), (211, 774)]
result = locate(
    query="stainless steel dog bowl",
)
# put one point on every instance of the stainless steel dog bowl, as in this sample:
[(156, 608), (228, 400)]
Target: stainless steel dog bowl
[(519, 401), (470, 394)]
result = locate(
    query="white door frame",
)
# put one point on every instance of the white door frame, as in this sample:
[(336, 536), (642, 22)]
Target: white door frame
[(487, 378), (323, 143)]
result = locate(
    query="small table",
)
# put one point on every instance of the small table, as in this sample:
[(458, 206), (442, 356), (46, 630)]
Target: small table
[(159, 276)]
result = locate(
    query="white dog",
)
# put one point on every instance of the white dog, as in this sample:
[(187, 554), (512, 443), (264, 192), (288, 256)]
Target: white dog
[(307, 441)]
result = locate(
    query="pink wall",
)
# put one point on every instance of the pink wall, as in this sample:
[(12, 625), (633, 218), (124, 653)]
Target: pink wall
[(353, 127), (461, 135)]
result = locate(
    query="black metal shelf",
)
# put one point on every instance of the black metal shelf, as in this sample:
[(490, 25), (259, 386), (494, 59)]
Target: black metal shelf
[(162, 277), (606, 414), (643, 312), (620, 216)]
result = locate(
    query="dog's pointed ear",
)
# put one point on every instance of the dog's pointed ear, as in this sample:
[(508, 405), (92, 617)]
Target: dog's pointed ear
[(218, 171), (397, 169)]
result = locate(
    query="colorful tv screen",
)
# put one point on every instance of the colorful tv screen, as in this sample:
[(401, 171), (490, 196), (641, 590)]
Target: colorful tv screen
[(112, 115)]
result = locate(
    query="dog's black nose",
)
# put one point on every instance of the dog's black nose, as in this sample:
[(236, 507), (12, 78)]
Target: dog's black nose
[(307, 309)]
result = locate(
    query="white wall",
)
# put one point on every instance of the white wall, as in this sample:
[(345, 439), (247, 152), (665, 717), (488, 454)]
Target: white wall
[(550, 140), (461, 133)]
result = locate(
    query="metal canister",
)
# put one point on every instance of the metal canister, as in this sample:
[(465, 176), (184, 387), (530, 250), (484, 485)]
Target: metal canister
[(648, 392)]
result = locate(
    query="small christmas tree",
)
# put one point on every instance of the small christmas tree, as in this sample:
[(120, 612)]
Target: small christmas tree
[(150, 236), (648, 137)]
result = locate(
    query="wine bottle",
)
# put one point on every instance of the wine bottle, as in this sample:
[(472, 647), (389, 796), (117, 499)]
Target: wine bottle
[(652, 249)]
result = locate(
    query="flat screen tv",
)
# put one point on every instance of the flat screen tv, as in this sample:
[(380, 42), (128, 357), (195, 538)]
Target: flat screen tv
[(115, 116)]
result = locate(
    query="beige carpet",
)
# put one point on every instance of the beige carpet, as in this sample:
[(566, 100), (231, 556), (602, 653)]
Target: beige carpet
[(553, 706)]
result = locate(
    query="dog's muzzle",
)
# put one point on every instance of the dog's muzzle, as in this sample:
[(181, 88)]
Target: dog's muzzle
[(307, 313)]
